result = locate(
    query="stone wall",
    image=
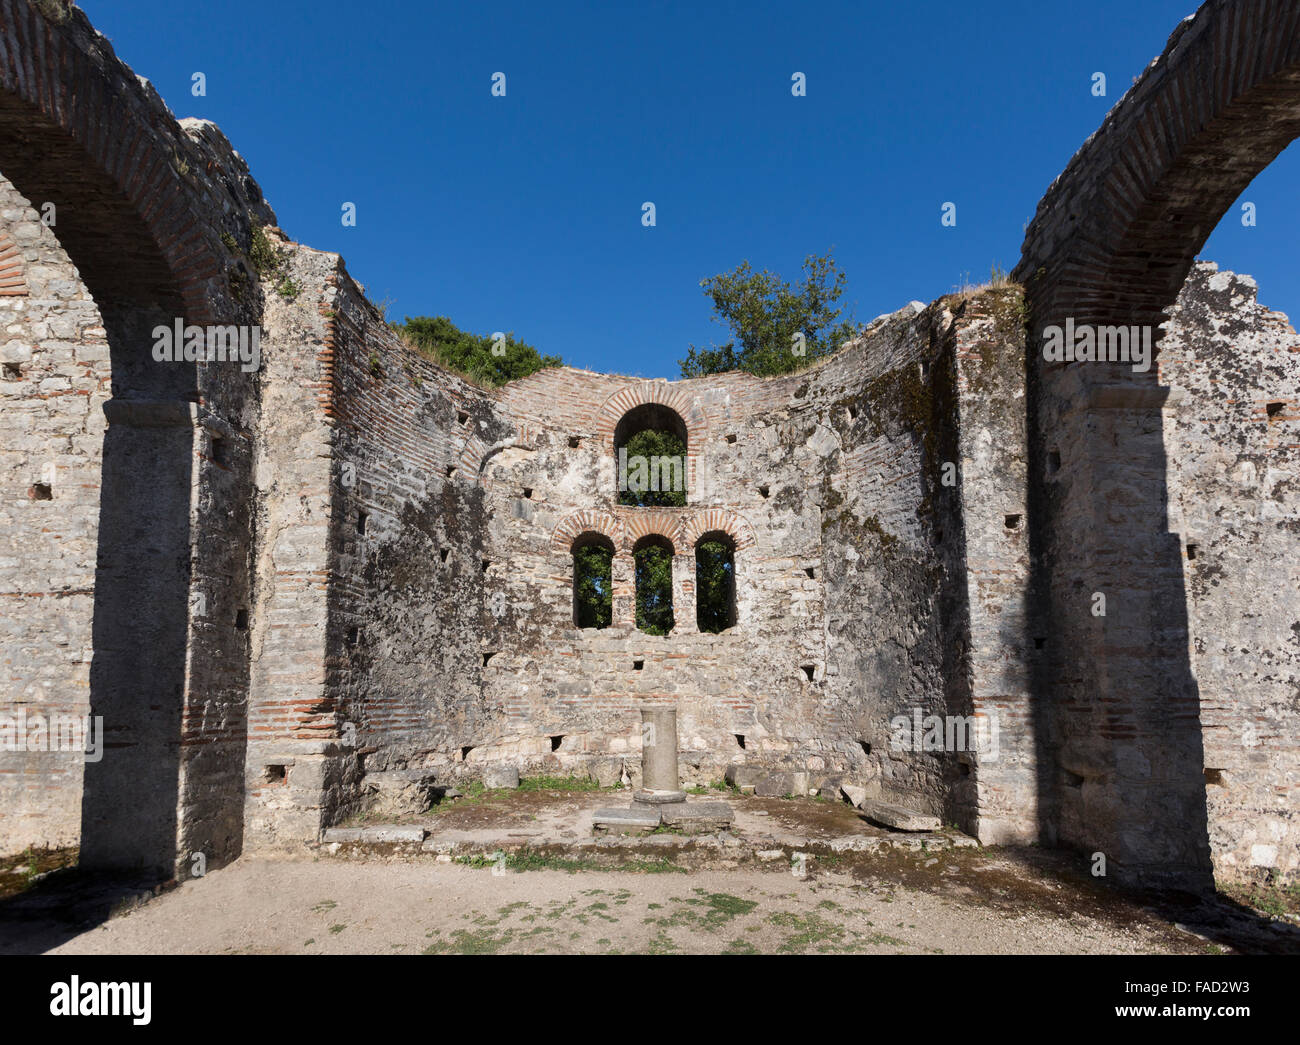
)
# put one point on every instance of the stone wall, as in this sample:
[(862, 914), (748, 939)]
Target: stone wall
[(1232, 429), (54, 382), (445, 640)]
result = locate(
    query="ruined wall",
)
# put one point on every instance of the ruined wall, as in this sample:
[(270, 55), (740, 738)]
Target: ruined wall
[(53, 384), (409, 572), (1232, 428), (450, 641)]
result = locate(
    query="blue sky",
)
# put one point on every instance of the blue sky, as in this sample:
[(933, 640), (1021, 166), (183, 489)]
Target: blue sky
[(523, 213)]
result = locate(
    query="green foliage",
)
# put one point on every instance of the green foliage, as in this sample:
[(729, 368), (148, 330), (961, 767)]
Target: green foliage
[(593, 586), (654, 589), (57, 11), (765, 312), (715, 580), (647, 445), (266, 260), (471, 355)]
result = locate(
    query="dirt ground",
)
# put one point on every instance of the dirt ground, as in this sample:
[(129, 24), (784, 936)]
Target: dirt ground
[(520, 873), (324, 907), (973, 903)]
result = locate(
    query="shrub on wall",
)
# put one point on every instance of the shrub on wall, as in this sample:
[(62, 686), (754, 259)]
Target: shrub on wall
[(483, 359)]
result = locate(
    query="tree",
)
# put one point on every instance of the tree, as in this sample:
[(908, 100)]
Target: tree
[(650, 444), (715, 586), (471, 355), (593, 580), (766, 312), (654, 589)]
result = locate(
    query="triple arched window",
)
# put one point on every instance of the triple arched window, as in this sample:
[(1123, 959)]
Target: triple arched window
[(652, 573)]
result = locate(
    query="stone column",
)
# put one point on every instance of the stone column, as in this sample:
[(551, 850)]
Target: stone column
[(624, 579), (659, 782), (684, 622)]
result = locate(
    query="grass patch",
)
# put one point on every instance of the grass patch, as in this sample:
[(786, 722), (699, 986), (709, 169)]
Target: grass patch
[(34, 864), (557, 783), (528, 859), (1272, 900)]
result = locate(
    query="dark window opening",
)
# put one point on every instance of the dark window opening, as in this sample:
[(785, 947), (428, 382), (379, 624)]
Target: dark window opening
[(218, 451), (276, 775), (1191, 551), (1039, 642), (1012, 522), (487, 564), (811, 572), (1053, 462), (1273, 409), (574, 442), (464, 752), (528, 493), (866, 748), (765, 491), (13, 371), (462, 417), (241, 620), (853, 412), (353, 636), (41, 492), (361, 522), (809, 670), (1072, 779), (740, 739), (451, 471), (652, 560), (715, 583), (556, 741), (638, 665), (963, 769), (444, 553), (731, 438), (1215, 777), (593, 581), (650, 448), (487, 657)]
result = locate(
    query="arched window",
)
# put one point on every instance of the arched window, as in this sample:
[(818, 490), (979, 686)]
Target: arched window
[(715, 582), (593, 581), (650, 455), (652, 559)]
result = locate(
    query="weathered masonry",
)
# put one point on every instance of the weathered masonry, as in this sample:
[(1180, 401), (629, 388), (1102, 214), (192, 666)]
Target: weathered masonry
[(323, 582)]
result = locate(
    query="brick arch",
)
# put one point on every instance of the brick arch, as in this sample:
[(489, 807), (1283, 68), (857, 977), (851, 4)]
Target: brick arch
[(657, 393), (12, 282), (141, 203), (144, 207), (718, 519), (590, 520), (661, 522), (1116, 234)]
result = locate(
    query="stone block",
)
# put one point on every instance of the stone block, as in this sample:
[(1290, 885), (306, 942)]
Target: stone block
[(497, 778), (698, 817), (898, 817), (743, 778), (625, 821)]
